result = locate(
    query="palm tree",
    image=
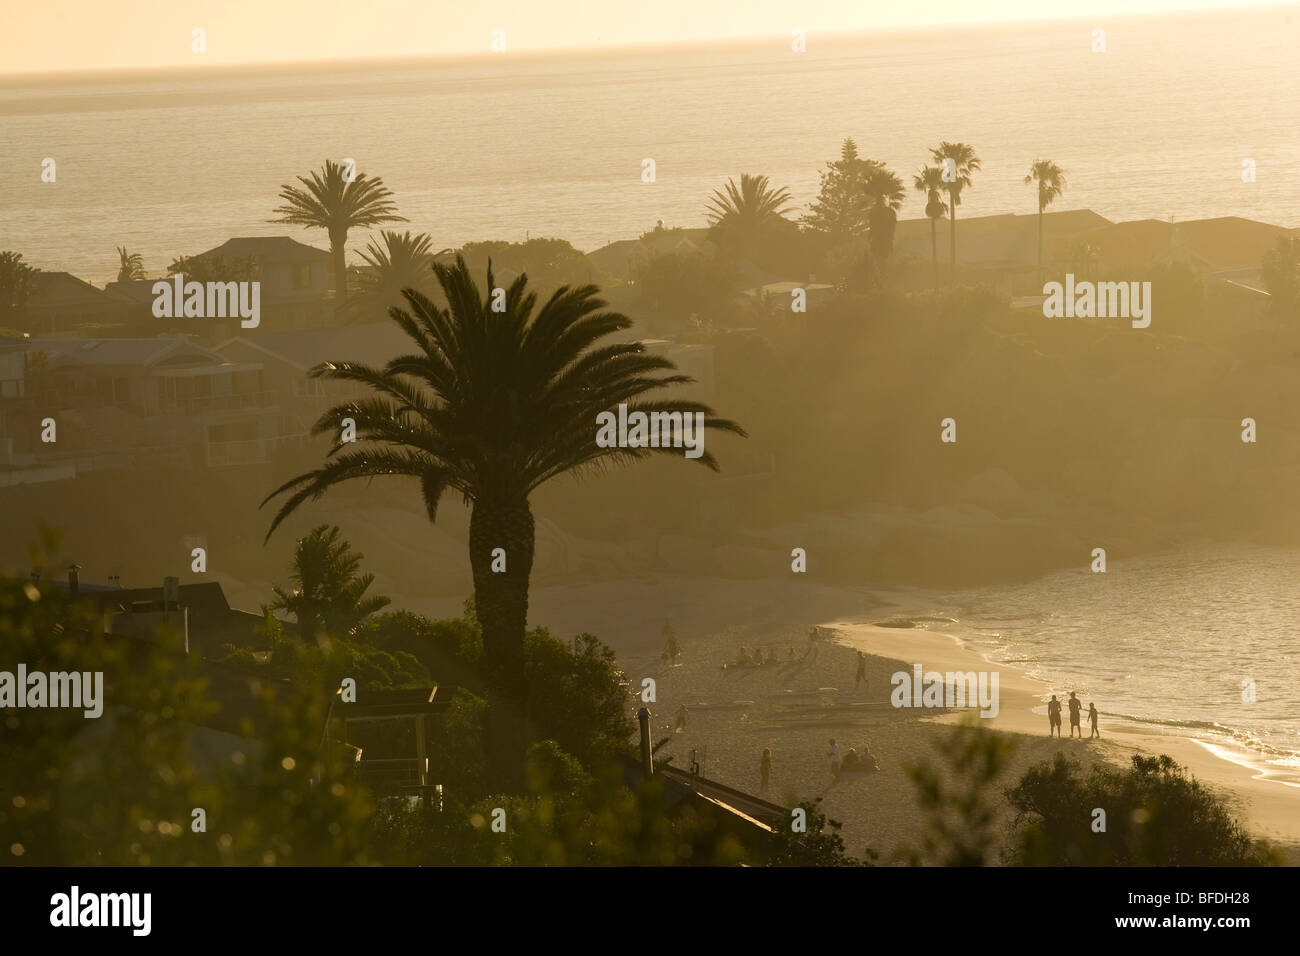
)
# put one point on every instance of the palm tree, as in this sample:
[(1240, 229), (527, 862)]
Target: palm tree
[(328, 595), (492, 405), (17, 281), (1051, 183), (131, 265), (885, 193), (930, 181), (401, 261), (332, 203), (742, 216), (957, 161)]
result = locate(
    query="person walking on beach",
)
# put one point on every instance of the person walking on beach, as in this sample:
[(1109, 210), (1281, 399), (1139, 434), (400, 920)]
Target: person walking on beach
[(681, 720), (1075, 707), (765, 769), (834, 754), (1092, 719), (861, 675), (1054, 716)]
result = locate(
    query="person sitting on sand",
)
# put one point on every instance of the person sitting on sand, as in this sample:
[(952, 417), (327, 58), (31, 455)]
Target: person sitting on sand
[(869, 761), (1075, 706), (1092, 719), (851, 763), (681, 720), (1054, 716), (765, 769), (742, 659)]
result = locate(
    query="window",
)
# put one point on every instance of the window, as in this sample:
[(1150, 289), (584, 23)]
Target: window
[(302, 276)]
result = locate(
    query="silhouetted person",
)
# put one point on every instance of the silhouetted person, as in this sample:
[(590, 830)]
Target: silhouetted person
[(771, 657), (1075, 707), (811, 652), (681, 720), (671, 650), (1053, 716), (765, 769), (742, 659), (834, 754), (850, 763), (861, 675), (1092, 719)]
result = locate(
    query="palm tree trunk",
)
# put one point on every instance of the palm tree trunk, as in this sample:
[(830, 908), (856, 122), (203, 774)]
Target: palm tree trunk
[(1040, 243), (501, 604), (338, 250), (934, 249), (952, 239)]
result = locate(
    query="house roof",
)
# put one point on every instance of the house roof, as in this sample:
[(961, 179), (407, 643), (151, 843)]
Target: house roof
[(83, 352), (267, 249), (370, 344), (135, 291), (63, 290), (621, 257), (1006, 239)]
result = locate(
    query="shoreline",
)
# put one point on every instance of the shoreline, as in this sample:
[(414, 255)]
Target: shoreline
[(1270, 807), (796, 706)]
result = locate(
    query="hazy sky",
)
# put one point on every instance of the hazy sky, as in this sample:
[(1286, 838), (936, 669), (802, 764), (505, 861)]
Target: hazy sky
[(95, 34)]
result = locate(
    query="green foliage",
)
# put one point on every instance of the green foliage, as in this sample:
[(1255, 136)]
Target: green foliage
[(820, 845), (958, 798), (130, 265), (577, 696), (685, 285), (842, 206), (451, 650), (323, 663), (216, 268), (17, 279), (328, 598), (548, 263), (1156, 815), (120, 789)]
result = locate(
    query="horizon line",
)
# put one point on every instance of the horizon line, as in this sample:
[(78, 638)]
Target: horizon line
[(21, 77)]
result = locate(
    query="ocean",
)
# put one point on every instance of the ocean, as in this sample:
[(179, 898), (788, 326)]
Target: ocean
[(1174, 640), (512, 145)]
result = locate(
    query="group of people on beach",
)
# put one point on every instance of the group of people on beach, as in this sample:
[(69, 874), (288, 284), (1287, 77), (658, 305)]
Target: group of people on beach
[(1076, 707), (852, 762)]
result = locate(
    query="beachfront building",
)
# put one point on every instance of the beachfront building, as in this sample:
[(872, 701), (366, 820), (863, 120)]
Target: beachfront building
[(118, 401), (286, 357)]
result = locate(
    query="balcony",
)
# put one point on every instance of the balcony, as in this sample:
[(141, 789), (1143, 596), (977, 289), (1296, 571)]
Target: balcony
[(233, 402)]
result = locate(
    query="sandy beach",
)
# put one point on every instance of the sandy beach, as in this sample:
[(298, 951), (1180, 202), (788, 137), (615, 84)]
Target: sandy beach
[(798, 704)]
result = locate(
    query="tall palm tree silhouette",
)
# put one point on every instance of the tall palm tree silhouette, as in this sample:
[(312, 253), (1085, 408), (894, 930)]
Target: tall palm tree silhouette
[(337, 200), (1051, 183), (956, 161), (930, 181), (492, 405)]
